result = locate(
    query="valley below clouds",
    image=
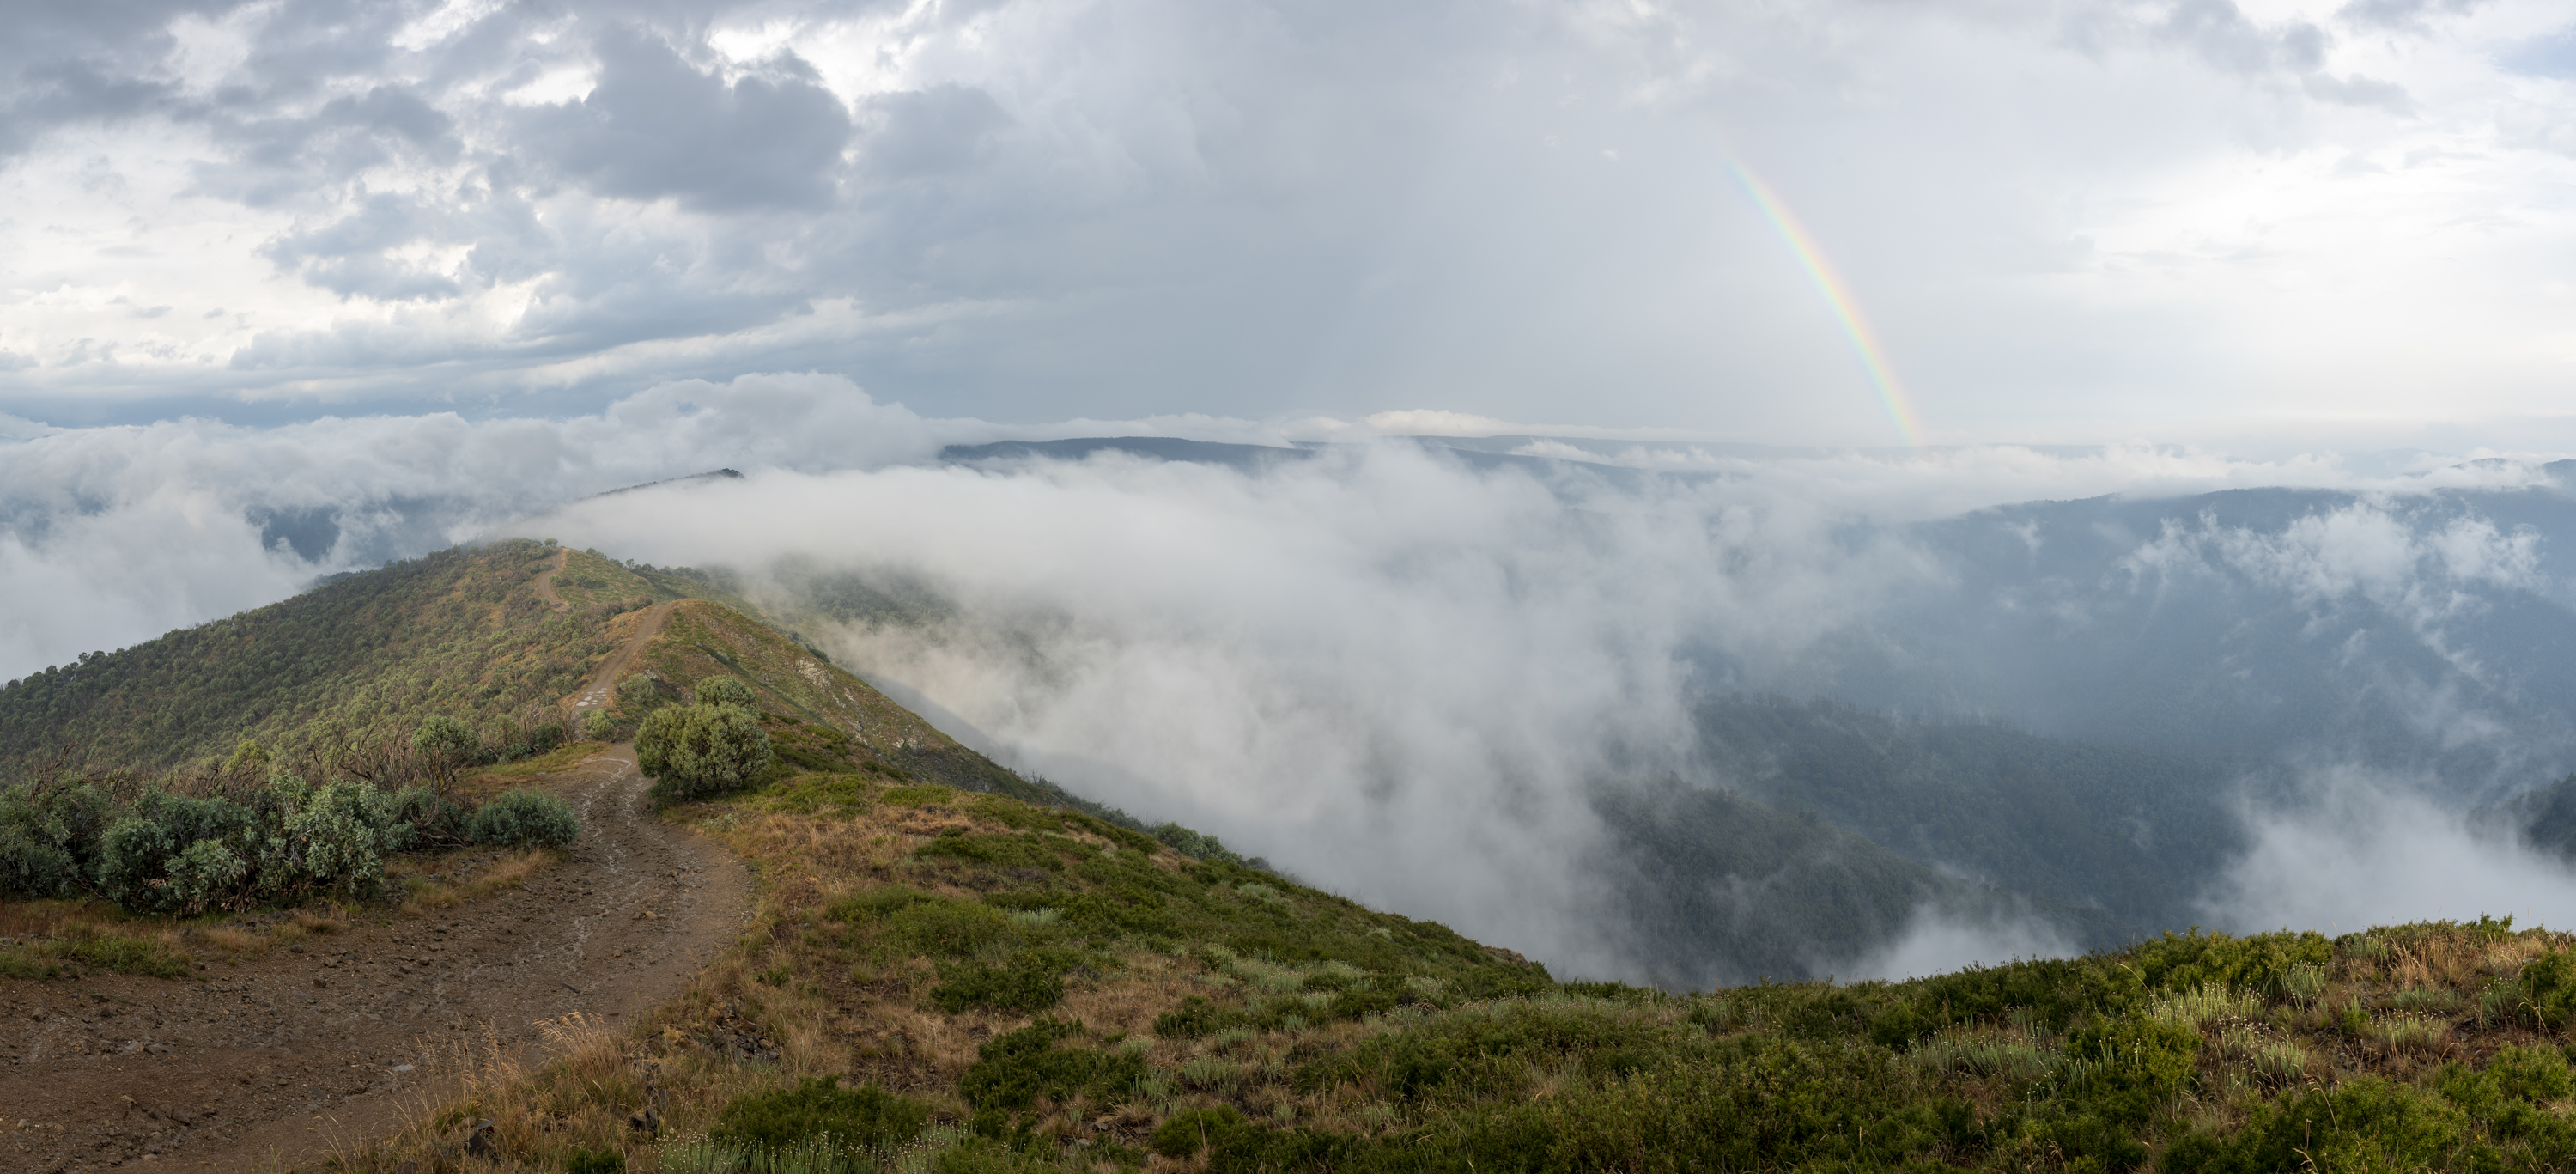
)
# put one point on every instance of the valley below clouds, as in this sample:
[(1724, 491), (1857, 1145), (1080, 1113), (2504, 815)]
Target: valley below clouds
[(1487, 685)]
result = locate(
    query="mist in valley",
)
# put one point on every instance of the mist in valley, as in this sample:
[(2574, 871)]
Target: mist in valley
[(1647, 713)]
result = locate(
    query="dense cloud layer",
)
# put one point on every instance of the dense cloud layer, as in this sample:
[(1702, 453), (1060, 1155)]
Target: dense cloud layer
[(1404, 668), (2069, 220)]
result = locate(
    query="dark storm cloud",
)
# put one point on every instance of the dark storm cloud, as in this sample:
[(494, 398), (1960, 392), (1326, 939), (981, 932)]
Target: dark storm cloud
[(658, 127)]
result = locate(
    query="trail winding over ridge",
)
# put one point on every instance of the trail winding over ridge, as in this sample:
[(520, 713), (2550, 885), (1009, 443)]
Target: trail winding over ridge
[(281, 1057)]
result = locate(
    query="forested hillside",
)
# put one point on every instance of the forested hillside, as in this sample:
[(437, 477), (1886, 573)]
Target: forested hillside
[(2132, 833), (461, 632), (1711, 888)]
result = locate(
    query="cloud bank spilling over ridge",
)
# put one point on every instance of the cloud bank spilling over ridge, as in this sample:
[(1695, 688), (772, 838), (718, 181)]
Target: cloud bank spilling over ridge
[(260, 510), (1396, 665), (2069, 220)]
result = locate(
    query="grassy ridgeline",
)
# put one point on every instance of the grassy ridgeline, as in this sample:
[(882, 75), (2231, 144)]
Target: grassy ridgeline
[(358, 660), (994, 985)]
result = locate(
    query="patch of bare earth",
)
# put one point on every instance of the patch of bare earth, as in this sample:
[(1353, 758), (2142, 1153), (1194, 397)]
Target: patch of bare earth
[(281, 1057)]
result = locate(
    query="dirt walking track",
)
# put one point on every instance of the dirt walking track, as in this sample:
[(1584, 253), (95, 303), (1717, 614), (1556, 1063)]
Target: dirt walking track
[(287, 1055)]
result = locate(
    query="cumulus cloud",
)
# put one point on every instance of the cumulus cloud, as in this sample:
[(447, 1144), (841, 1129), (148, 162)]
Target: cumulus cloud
[(656, 126)]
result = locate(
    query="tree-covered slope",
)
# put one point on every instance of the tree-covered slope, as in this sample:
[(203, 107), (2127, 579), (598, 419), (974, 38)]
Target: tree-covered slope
[(1707, 887), (2132, 833), (461, 632)]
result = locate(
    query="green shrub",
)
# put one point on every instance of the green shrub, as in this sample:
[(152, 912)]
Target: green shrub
[(446, 740), (422, 818), (726, 691), (599, 726), (1122, 910), (814, 793), (289, 840), (2054, 992), (866, 1117), (1190, 1130), (1016, 850), (598, 1161), (1012, 1070), (694, 751), (334, 839), (944, 928), (49, 838), (1487, 1055), (1032, 980), (2128, 1068), (639, 695), (21, 962), (2365, 1123), (1195, 1017), (2546, 991), (2257, 962), (524, 819), (876, 904), (135, 854), (176, 854), (1194, 845)]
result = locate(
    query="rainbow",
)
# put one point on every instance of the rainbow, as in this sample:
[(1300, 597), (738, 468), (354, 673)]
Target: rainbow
[(1837, 295)]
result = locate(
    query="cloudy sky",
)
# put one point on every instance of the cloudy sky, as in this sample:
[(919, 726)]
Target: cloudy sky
[(2082, 222), (296, 286)]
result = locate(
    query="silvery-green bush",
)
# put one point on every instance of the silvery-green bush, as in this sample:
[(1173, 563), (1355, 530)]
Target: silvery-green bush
[(524, 819), (176, 854), (425, 819), (690, 751), (287, 841), (49, 837), (725, 691)]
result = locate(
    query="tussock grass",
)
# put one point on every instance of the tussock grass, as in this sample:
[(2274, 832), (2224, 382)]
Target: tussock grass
[(2404, 1033), (2207, 1004), (2007, 1056)]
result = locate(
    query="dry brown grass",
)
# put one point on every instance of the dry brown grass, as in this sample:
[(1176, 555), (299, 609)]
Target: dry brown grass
[(466, 875), (25, 919), (582, 1088), (492, 780)]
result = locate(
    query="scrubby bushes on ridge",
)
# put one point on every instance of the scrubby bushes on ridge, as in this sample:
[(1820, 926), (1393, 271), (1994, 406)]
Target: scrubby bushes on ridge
[(155, 850), (524, 819), (693, 751)]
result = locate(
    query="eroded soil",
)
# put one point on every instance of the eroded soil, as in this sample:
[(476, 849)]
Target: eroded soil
[(280, 1057)]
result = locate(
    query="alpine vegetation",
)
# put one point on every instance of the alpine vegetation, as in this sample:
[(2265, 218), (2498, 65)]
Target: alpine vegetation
[(192, 845), (716, 745)]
